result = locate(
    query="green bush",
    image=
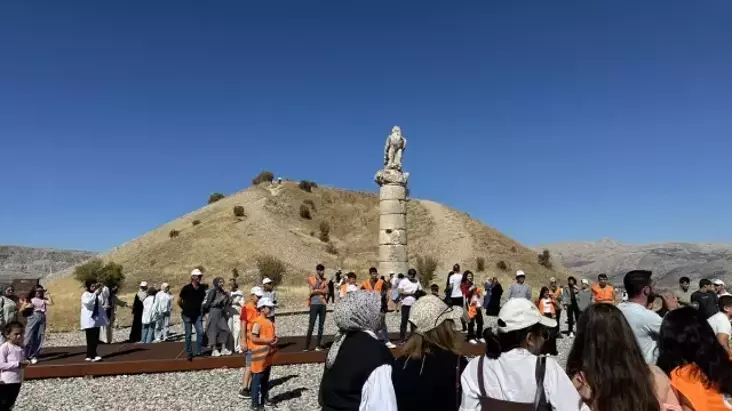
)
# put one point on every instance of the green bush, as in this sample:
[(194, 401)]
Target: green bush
[(545, 259), (501, 265), (271, 267), (480, 264), (305, 212), (513, 249), (264, 176), (215, 197), (310, 203), (307, 185), (109, 274), (331, 249), (324, 231), (426, 267), (173, 233), (196, 222), (238, 211), (234, 273)]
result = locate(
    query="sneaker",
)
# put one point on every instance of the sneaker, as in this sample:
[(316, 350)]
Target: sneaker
[(269, 404), (225, 352), (215, 353), (306, 349), (87, 359), (571, 334), (389, 345), (190, 357), (34, 360), (97, 358), (318, 348), (480, 340), (473, 341), (245, 394)]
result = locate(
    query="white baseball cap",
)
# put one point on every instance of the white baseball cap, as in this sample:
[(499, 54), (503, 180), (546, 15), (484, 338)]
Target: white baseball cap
[(257, 291), (265, 302), (266, 280), (143, 284), (196, 272), (520, 273), (717, 281), (164, 285), (585, 281), (519, 313)]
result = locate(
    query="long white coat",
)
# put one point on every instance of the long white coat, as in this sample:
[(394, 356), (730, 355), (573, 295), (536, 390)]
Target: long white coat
[(87, 310)]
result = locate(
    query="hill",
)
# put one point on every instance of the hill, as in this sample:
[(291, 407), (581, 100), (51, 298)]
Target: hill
[(668, 261), (273, 226), (37, 262)]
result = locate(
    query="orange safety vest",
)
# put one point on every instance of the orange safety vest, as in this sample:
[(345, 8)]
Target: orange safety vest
[(262, 355), (344, 289), (603, 295), (313, 283), (540, 304), (474, 304), (377, 287), (249, 313), (692, 388)]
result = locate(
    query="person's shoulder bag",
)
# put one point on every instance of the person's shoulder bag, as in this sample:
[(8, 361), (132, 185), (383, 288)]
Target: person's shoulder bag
[(540, 403)]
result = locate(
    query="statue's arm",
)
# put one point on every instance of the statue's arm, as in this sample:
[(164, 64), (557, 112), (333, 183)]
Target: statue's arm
[(404, 145), (386, 150)]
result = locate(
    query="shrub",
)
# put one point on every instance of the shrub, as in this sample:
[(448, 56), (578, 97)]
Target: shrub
[(109, 274), (196, 222), (239, 211), (480, 264), (305, 212), (201, 268), (324, 231), (312, 234), (307, 185), (513, 249), (501, 265), (331, 249), (426, 267), (545, 259), (173, 233), (264, 176), (234, 273), (271, 267), (215, 197), (310, 203)]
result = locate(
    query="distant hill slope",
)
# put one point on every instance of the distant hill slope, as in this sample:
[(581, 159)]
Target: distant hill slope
[(273, 226), (669, 261), (37, 261)]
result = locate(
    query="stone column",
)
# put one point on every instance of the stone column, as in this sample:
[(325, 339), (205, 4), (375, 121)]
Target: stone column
[(393, 256)]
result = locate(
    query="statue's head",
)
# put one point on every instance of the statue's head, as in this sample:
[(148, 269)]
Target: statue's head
[(396, 130)]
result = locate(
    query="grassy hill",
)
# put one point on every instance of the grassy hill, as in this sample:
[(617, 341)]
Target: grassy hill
[(273, 226)]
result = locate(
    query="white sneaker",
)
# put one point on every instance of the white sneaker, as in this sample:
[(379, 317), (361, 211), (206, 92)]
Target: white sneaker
[(215, 353), (480, 340), (571, 334), (317, 348), (87, 359), (389, 345), (473, 341), (225, 352), (34, 360), (97, 358)]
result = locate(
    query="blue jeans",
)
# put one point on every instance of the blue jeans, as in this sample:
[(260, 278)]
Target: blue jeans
[(148, 332), (35, 329), (187, 323), (383, 332), (260, 387)]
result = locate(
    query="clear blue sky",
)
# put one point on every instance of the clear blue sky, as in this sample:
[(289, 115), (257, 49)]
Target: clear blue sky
[(550, 120)]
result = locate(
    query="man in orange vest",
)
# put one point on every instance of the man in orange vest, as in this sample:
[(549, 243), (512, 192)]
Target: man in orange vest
[(377, 285), (248, 314), (317, 302), (602, 292), (262, 342)]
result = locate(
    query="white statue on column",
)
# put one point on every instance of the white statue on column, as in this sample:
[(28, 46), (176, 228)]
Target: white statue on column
[(394, 149)]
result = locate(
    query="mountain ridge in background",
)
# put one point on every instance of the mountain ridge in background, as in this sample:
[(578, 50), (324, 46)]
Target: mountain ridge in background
[(19, 261)]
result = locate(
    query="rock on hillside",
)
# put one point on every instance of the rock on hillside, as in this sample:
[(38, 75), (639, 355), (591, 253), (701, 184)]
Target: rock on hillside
[(668, 261), (38, 261), (272, 225)]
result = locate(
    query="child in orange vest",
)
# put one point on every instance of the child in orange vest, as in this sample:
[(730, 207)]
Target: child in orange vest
[(248, 314), (262, 343), (545, 303)]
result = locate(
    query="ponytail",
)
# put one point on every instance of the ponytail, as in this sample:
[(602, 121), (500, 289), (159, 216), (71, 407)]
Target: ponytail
[(492, 344), (496, 344)]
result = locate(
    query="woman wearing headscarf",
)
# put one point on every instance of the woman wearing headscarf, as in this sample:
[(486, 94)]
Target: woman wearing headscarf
[(8, 308), (217, 328), (358, 368), (494, 303), (137, 307)]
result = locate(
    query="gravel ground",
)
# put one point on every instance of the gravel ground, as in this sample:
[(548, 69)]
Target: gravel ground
[(295, 387)]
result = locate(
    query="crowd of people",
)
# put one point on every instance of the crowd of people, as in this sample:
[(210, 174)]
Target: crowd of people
[(634, 349)]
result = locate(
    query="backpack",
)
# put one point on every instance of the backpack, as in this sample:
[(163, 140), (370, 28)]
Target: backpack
[(491, 404)]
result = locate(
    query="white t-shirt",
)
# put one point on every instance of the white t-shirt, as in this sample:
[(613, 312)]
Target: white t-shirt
[(511, 377), (720, 324), (409, 287), (646, 326), (455, 281)]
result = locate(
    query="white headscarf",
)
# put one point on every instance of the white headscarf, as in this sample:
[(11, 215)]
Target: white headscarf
[(358, 311)]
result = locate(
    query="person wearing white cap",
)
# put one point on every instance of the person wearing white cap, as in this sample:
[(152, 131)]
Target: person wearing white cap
[(271, 294), (719, 287), (248, 314), (429, 363), (137, 307), (190, 300), (520, 289), (262, 340), (512, 373), (164, 307)]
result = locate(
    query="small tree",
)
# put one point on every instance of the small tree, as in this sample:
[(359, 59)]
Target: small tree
[(271, 267), (480, 264), (513, 249), (238, 211), (307, 185), (234, 273), (109, 274), (196, 222), (215, 197), (173, 233), (331, 249), (501, 265), (305, 212), (324, 231), (310, 203), (426, 267), (262, 177), (545, 259)]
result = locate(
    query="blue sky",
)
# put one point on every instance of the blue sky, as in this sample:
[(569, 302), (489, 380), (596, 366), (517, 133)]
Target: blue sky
[(551, 121)]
